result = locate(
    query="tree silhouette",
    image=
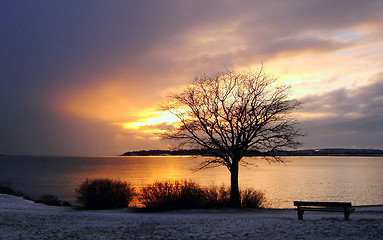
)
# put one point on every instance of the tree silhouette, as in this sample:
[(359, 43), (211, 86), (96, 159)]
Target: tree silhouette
[(230, 114)]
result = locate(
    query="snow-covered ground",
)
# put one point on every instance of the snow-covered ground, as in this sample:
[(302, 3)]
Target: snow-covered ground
[(22, 219)]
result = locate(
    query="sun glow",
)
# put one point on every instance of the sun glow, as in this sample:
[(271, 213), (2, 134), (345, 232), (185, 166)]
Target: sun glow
[(150, 123)]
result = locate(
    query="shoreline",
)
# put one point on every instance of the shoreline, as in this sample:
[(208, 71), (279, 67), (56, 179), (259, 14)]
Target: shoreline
[(23, 219)]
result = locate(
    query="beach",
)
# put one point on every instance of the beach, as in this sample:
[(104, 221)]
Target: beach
[(23, 219)]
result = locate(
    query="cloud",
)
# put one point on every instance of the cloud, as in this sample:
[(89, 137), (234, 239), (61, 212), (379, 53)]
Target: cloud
[(345, 117), (68, 66), (243, 35)]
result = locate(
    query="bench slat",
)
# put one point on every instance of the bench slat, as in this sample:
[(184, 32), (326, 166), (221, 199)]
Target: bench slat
[(330, 209), (322, 204)]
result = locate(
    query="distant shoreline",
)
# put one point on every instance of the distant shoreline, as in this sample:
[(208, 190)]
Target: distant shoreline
[(340, 152), (306, 152)]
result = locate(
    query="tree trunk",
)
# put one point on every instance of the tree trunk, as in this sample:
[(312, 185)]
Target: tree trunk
[(235, 199)]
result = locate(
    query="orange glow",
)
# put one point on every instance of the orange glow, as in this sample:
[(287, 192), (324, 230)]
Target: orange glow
[(122, 100), (171, 169), (150, 123), (155, 119), (106, 102)]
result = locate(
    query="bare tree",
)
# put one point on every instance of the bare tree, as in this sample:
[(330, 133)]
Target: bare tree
[(230, 114)]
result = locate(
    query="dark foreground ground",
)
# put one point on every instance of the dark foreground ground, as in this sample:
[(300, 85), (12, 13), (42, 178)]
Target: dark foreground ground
[(21, 219)]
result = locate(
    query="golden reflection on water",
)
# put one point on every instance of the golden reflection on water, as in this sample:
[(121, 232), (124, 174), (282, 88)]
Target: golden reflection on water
[(355, 179), (162, 168), (299, 178)]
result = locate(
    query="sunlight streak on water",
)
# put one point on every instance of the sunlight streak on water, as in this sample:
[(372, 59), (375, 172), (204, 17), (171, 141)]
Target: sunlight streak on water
[(355, 179)]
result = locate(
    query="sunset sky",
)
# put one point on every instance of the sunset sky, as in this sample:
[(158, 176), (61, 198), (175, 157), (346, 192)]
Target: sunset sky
[(86, 77)]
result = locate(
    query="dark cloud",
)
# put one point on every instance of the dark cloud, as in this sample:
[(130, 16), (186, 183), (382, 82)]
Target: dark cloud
[(293, 26), (345, 117), (265, 30)]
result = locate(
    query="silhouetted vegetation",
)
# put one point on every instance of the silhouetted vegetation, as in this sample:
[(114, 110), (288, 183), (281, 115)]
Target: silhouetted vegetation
[(334, 152), (7, 188), (161, 195), (47, 199), (251, 198), (250, 153), (184, 152), (185, 194), (230, 114), (217, 197), (172, 195), (51, 200), (105, 194)]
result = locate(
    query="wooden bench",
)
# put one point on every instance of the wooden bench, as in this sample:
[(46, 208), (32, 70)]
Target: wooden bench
[(344, 207)]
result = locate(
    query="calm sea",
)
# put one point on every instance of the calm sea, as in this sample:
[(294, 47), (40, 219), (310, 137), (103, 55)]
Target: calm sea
[(355, 179)]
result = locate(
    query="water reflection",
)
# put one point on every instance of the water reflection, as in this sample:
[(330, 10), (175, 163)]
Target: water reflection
[(355, 179)]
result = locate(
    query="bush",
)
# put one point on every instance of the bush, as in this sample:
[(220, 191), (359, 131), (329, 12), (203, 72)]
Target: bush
[(251, 198), (7, 188), (51, 200), (185, 194), (172, 195), (66, 204), (105, 194), (217, 197)]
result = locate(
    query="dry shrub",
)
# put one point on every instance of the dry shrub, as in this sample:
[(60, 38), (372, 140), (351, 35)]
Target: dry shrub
[(186, 194), (251, 198), (104, 194), (7, 188), (51, 200), (172, 195), (217, 197)]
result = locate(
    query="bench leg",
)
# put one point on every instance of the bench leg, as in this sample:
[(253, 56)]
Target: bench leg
[(300, 214), (347, 215)]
